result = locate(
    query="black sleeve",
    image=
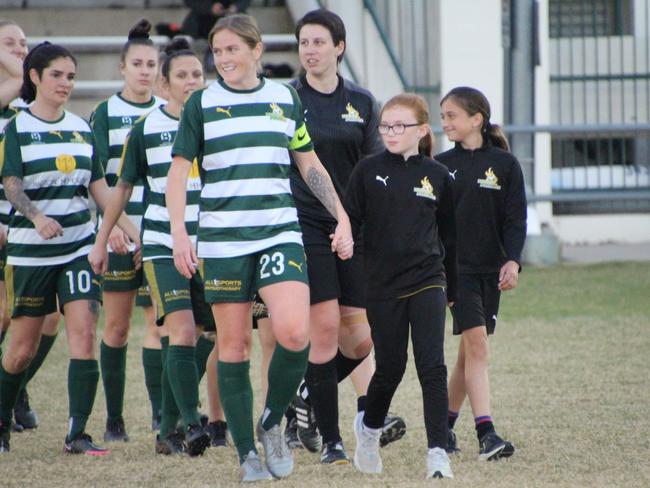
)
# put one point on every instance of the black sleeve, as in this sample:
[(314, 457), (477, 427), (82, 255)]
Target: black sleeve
[(514, 224), (354, 201), (372, 142), (446, 219)]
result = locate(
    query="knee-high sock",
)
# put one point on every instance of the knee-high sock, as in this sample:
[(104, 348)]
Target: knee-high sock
[(237, 401), (324, 397), (184, 382), (152, 365), (168, 409), (83, 376), (113, 366)]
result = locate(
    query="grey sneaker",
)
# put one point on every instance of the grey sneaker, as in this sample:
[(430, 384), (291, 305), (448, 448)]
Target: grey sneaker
[(279, 459), (366, 453), (438, 464), (253, 469)]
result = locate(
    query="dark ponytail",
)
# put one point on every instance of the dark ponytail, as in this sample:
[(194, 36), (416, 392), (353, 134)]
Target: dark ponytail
[(39, 58), (473, 102), (420, 109), (178, 46), (138, 36)]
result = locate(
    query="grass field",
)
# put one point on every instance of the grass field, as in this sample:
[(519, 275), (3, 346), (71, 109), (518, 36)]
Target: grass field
[(571, 388)]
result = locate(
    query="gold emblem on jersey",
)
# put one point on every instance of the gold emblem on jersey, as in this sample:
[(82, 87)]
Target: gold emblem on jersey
[(65, 163), (194, 170), (426, 190), (76, 137), (352, 114), (276, 112), (491, 181), (222, 110), (57, 133)]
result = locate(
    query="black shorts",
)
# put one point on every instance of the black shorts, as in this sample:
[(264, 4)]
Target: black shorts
[(331, 278), (477, 303)]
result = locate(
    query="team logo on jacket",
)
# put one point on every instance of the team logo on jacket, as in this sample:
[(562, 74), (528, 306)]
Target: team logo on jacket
[(352, 114), (426, 190), (65, 163), (276, 112), (491, 181)]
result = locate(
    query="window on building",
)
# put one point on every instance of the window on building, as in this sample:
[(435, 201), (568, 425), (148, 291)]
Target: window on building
[(588, 18)]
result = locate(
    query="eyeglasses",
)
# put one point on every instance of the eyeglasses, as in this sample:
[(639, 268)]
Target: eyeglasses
[(398, 129)]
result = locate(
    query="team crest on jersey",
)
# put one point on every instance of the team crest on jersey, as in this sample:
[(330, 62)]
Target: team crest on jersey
[(276, 112), (426, 190), (352, 114), (65, 163), (76, 137), (223, 110), (491, 181), (36, 137), (166, 137), (126, 121)]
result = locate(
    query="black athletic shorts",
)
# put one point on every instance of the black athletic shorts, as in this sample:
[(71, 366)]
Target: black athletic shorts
[(331, 278), (477, 302)]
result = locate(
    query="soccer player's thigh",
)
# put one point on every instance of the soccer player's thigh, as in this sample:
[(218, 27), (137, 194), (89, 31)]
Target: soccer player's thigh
[(169, 290), (468, 311), (491, 297)]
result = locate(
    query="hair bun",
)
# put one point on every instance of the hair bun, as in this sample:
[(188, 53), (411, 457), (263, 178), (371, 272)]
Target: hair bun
[(178, 43), (140, 30)]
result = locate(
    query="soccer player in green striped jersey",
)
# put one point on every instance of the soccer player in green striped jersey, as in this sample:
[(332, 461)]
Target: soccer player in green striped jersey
[(13, 49), (179, 302), (111, 121), (49, 169), (242, 128)]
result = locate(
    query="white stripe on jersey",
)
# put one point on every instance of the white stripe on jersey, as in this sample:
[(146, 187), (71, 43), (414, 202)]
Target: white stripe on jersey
[(49, 179), (161, 214), (244, 125), (247, 218), (60, 206), (70, 122), (49, 261), (217, 96), (242, 248), (35, 152), (245, 188), (30, 236), (245, 155)]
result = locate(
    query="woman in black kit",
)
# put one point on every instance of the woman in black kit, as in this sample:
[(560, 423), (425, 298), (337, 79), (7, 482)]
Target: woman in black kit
[(342, 121), (491, 216), (404, 201)]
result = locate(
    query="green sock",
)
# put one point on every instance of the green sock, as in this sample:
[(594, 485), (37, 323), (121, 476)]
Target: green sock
[(10, 386), (83, 376), (113, 365), (203, 349), (237, 401), (286, 371), (152, 364), (41, 353), (184, 382), (168, 410)]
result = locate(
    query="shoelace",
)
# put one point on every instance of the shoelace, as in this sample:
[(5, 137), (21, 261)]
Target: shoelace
[(277, 446)]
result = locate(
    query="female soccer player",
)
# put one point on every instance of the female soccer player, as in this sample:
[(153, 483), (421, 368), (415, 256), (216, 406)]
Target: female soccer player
[(491, 206), (49, 168), (112, 120), (242, 128), (13, 49), (403, 200), (342, 122)]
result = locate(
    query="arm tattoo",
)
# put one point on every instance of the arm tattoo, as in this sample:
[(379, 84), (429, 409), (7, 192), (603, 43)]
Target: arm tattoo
[(16, 195), (323, 189)]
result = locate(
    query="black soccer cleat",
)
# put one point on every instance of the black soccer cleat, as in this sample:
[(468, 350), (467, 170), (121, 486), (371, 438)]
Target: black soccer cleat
[(115, 431), (23, 413), (508, 451), (218, 431), (490, 447), (334, 453), (452, 443), (5, 436), (82, 443), (307, 429), (171, 444), (196, 439), (291, 434), (393, 430)]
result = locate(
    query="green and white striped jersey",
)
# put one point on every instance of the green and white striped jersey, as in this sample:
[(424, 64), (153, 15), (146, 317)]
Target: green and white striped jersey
[(148, 155), (111, 121), (6, 114), (56, 162), (244, 138)]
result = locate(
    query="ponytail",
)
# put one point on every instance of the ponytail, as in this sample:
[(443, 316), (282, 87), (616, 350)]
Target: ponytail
[(426, 144), (496, 136), (138, 36)]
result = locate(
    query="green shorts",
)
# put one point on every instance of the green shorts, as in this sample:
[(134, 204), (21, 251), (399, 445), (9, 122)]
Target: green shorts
[(3, 262), (143, 297), (173, 292), (121, 274), (33, 290), (229, 280)]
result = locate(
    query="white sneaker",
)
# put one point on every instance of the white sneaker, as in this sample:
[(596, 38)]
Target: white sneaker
[(277, 454), (366, 454), (438, 464), (253, 469)]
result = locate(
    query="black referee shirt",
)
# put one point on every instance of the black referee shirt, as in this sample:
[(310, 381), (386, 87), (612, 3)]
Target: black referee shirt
[(343, 127), (490, 207), (406, 209)]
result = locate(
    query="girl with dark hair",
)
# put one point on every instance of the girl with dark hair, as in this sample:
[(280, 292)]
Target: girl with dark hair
[(180, 303), (123, 285), (342, 121), (404, 201), (49, 168), (491, 214), (242, 129)]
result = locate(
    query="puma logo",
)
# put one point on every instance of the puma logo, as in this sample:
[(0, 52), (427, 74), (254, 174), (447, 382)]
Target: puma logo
[(221, 110), (291, 262), (56, 133), (384, 180), (453, 175)]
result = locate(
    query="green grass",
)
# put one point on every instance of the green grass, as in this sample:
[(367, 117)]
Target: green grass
[(570, 381)]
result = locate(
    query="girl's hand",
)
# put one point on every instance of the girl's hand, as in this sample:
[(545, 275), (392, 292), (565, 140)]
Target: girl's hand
[(119, 241), (47, 227), (98, 259), (185, 258), (342, 242), (508, 276)]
